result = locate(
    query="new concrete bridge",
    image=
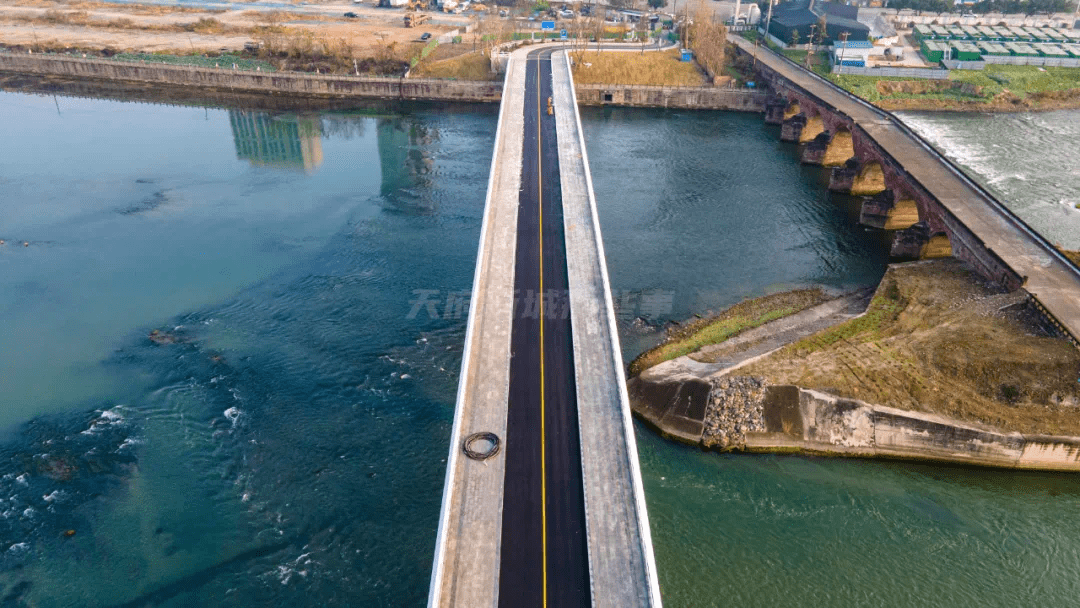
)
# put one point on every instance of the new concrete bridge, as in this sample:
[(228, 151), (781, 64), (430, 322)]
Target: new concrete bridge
[(910, 187), (555, 515)]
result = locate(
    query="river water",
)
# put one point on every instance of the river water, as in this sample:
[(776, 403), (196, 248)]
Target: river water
[(282, 439), (1029, 160)]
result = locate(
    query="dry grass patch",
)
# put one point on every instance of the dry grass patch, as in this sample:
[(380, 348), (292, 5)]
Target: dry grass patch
[(471, 66), (142, 9), (1074, 256), (650, 68), (937, 340)]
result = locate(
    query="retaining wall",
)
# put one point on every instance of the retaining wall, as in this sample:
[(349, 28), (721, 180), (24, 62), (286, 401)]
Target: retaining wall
[(816, 422), (806, 421), (318, 85), (930, 74), (700, 98), (343, 86), (1065, 62)]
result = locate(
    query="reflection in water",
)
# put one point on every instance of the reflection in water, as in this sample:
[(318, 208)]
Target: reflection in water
[(285, 141), (405, 155)]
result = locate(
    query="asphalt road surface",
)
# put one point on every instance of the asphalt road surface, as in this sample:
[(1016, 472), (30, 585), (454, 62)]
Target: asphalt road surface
[(544, 555)]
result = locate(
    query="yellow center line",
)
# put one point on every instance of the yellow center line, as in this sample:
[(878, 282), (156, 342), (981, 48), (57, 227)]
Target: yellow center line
[(543, 436)]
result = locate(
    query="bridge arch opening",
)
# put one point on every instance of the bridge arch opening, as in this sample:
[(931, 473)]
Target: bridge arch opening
[(841, 148), (903, 214), (791, 110), (938, 246), (870, 180), (814, 127)]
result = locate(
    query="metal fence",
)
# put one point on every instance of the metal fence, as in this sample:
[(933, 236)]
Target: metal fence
[(929, 74), (1065, 62)]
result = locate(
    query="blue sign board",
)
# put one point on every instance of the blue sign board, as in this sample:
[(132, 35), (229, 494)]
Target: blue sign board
[(547, 25), (562, 34)]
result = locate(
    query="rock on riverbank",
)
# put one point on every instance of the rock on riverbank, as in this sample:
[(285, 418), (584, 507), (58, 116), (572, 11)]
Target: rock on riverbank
[(734, 409)]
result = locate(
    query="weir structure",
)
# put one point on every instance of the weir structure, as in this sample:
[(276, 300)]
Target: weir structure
[(935, 209), (543, 502)]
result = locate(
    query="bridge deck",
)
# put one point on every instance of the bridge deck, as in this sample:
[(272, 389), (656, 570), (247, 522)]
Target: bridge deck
[(1050, 279), (558, 516)]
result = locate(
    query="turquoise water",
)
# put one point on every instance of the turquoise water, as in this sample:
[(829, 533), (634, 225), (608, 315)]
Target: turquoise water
[(283, 442)]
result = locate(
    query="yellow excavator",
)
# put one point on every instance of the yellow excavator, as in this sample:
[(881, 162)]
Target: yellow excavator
[(414, 18)]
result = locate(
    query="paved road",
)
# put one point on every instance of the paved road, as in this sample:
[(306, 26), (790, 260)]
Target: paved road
[(544, 555), (1052, 280)]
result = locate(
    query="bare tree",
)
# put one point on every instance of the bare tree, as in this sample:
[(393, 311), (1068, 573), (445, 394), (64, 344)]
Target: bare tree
[(598, 27), (269, 33), (708, 38)]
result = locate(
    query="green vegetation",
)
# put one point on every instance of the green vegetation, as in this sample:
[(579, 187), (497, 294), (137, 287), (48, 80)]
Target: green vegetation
[(1019, 81), (739, 318), (202, 61), (1004, 85), (881, 314)]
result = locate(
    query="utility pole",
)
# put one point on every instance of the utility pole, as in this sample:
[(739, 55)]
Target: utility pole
[(768, 19), (810, 47), (843, 45)]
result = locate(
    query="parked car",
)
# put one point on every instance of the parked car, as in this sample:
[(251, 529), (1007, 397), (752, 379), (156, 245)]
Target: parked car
[(351, 15), (425, 36), (566, 14)]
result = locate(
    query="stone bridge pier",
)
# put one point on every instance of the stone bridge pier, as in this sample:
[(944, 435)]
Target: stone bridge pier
[(892, 199)]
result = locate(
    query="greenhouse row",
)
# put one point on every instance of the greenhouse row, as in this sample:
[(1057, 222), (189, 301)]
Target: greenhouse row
[(985, 33), (960, 50)]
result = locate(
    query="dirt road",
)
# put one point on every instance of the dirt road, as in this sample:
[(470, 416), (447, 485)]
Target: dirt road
[(184, 29)]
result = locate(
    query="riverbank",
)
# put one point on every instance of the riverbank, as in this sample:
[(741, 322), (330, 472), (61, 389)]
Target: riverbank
[(996, 88), (939, 366), (224, 79), (1005, 102)]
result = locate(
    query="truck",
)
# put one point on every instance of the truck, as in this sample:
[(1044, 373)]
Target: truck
[(415, 19), (392, 3)]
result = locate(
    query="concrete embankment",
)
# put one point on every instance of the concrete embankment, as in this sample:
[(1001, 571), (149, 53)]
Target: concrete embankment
[(309, 85), (697, 98), (743, 414), (339, 87), (940, 367)]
